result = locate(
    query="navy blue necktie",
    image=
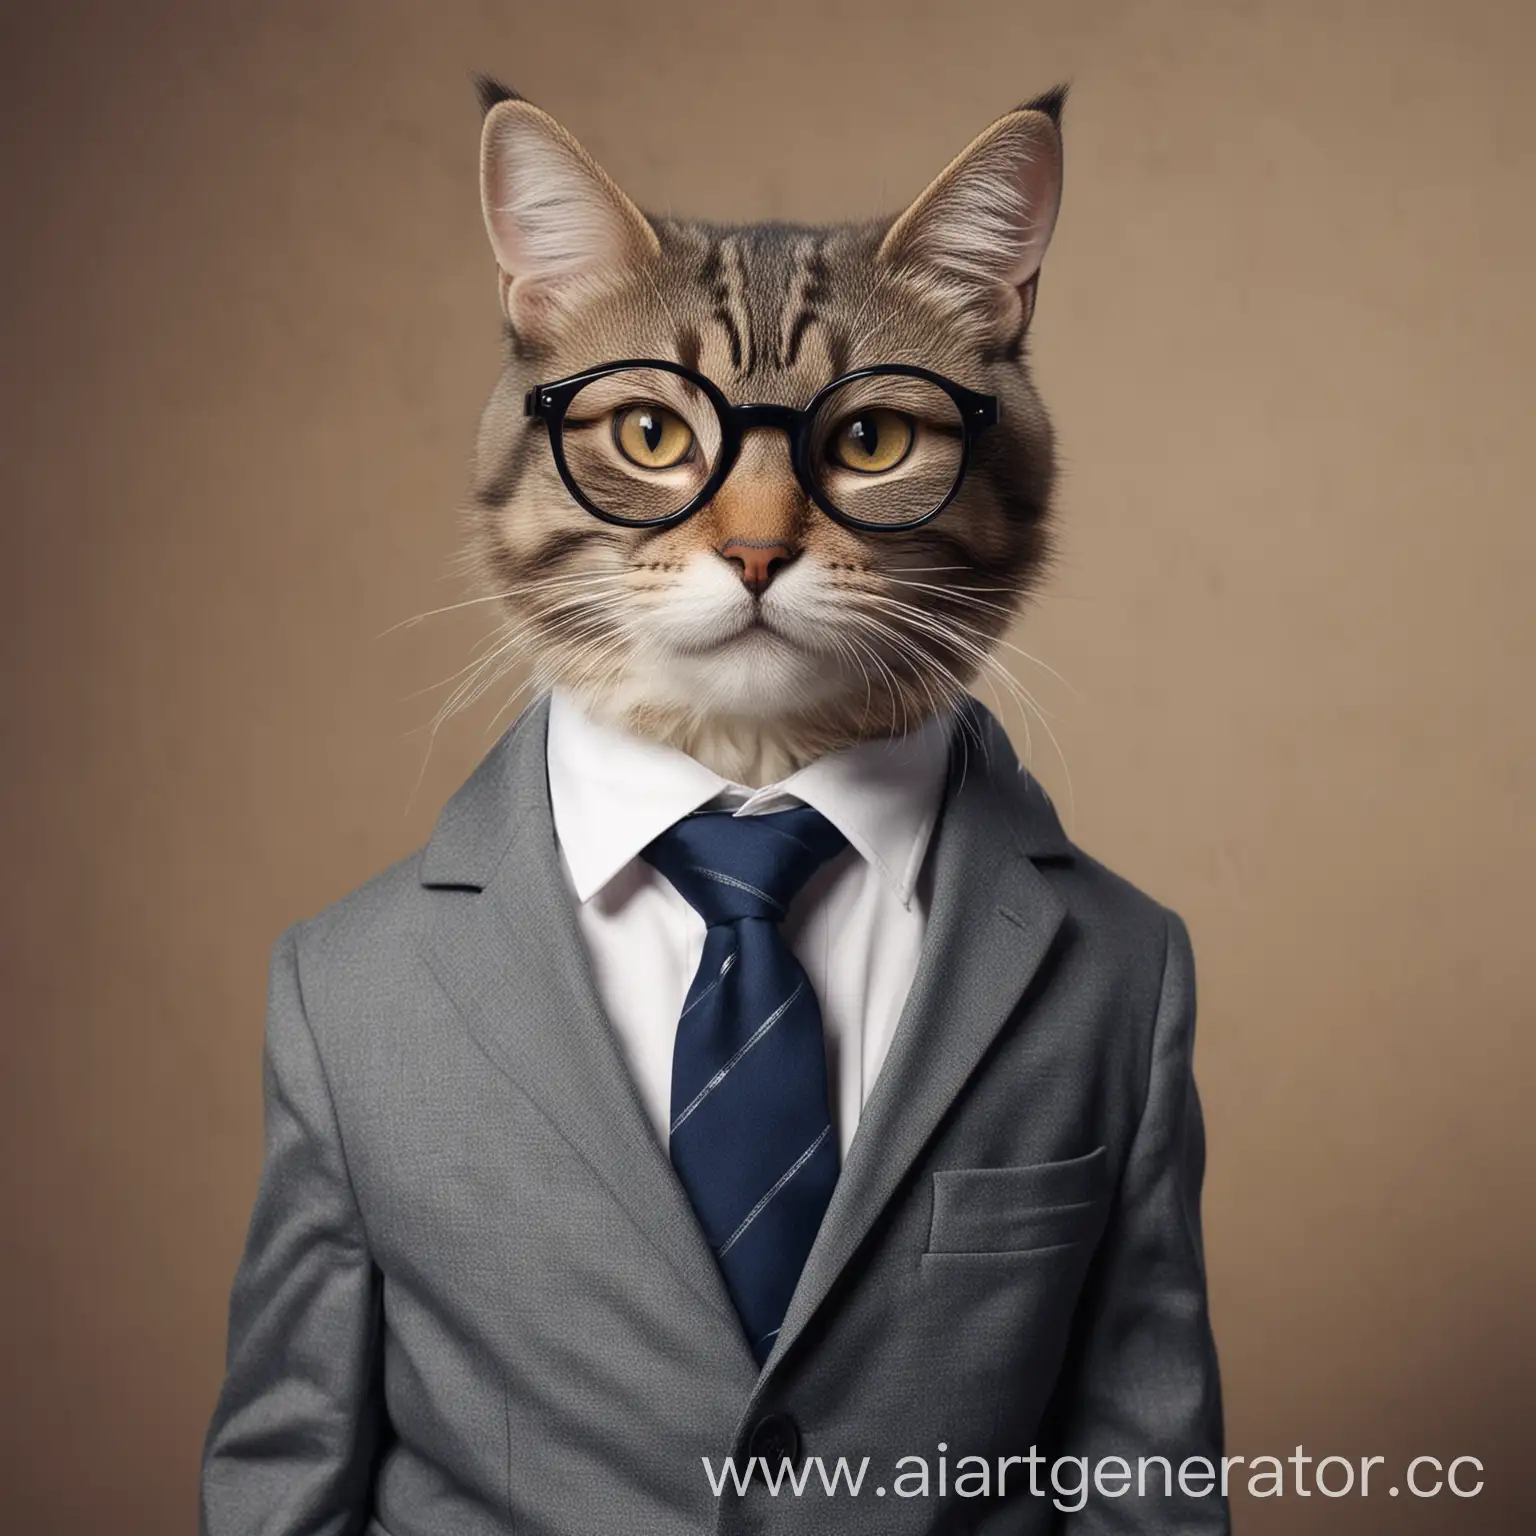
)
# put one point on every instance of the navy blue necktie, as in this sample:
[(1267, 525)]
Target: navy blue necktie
[(751, 1129)]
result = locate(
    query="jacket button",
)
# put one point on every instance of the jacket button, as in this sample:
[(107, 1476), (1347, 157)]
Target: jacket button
[(774, 1439)]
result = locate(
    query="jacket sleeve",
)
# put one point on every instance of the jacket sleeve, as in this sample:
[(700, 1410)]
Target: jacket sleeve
[(1142, 1379), (297, 1426)]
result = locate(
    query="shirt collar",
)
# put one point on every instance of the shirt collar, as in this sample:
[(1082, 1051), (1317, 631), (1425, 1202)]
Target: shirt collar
[(612, 793)]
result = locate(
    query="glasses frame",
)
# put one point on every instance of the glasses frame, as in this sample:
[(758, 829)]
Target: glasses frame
[(549, 402)]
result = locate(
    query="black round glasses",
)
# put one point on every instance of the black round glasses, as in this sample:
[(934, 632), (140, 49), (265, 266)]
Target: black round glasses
[(646, 443)]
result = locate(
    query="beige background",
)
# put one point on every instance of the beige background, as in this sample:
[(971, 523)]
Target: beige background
[(1287, 333)]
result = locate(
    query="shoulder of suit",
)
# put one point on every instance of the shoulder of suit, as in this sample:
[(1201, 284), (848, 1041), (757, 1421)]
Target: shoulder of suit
[(374, 920), (472, 830), (1114, 906), (1116, 913), (1038, 831)]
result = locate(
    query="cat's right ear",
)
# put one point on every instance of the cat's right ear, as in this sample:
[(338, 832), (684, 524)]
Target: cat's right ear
[(558, 224)]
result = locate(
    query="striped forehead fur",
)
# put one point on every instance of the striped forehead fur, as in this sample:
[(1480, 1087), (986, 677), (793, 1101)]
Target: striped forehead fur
[(767, 287)]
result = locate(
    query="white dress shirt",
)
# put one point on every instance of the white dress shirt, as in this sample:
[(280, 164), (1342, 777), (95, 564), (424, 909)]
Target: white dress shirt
[(856, 927)]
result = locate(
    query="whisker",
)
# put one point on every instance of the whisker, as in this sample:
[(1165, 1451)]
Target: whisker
[(989, 667), (432, 613)]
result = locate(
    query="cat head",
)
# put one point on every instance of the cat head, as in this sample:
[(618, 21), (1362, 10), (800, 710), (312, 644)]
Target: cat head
[(759, 631)]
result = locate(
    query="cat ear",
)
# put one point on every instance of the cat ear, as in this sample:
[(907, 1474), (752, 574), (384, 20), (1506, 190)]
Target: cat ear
[(982, 225), (558, 224)]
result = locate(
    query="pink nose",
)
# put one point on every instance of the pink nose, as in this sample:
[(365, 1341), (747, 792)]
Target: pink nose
[(757, 562)]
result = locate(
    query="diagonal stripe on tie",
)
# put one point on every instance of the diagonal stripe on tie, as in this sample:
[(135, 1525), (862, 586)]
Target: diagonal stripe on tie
[(741, 1050), (720, 975), (740, 885), (778, 1184)]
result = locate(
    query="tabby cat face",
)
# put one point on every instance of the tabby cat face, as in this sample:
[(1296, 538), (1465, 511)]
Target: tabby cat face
[(759, 632)]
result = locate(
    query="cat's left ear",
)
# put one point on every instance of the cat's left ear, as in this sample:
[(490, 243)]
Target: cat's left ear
[(981, 227)]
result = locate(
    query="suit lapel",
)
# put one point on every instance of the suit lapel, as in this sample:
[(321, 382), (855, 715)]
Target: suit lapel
[(511, 959), (993, 920)]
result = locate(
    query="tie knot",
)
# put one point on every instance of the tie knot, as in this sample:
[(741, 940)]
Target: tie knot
[(730, 867)]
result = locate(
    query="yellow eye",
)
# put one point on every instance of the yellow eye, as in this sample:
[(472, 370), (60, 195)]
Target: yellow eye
[(872, 441), (652, 436)]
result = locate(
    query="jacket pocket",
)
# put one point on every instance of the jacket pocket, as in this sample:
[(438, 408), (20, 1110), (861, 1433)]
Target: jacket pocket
[(1016, 1210)]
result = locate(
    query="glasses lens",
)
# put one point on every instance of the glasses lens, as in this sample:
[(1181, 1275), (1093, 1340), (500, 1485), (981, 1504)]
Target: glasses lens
[(641, 443), (887, 449)]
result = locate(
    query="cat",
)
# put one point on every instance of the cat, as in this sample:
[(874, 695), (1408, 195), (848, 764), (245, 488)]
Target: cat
[(760, 633)]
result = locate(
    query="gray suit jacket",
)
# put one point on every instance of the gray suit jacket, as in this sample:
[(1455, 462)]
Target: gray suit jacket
[(474, 1298)]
